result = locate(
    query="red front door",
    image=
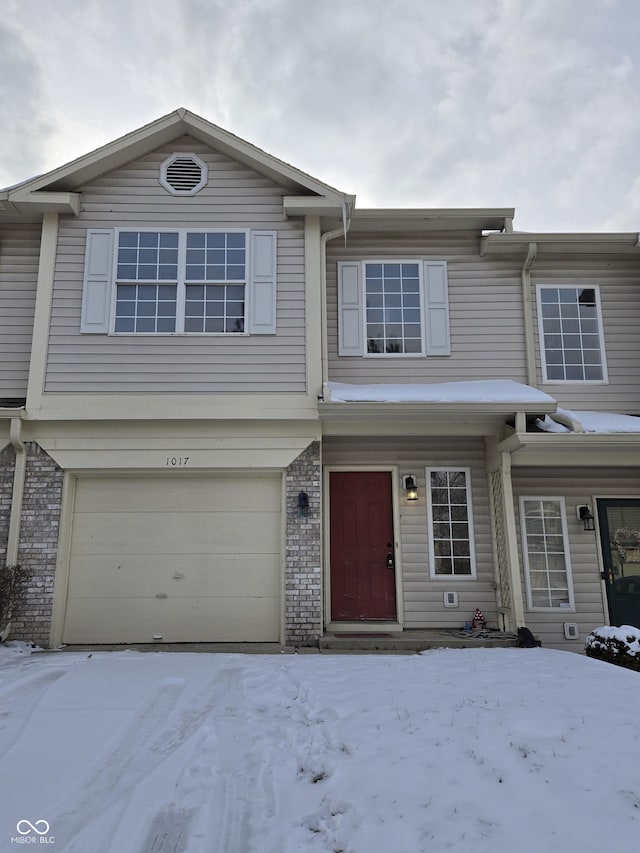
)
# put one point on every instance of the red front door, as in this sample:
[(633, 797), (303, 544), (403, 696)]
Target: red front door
[(363, 583)]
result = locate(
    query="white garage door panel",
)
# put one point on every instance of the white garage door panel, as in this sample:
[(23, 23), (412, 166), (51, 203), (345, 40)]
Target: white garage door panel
[(179, 532), (243, 492), (188, 559), (105, 576), (134, 620)]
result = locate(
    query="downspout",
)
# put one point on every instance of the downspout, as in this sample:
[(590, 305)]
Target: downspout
[(324, 239), (527, 305), (511, 542), (13, 538)]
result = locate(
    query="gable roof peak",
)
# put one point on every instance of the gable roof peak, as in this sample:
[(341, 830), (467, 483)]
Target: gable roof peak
[(72, 176)]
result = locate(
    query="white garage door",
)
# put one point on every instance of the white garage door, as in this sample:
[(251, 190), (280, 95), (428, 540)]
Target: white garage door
[(181, 559)]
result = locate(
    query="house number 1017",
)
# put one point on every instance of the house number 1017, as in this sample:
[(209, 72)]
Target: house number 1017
[(175, 461)]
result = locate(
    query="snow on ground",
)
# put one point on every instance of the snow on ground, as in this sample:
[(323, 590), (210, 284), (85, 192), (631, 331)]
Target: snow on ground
[(500, 750)]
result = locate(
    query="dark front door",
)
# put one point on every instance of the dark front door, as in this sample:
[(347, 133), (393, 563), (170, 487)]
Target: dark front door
[(619, 520), (362, 553)]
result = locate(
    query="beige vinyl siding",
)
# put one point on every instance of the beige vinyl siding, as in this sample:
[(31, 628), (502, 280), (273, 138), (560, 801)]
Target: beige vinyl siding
[(486, 317), (19, 251), (423, 596), (619, 285), (132, 197), (577, 486)]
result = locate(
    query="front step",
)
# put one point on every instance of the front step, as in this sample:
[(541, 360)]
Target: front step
[(415, 641)]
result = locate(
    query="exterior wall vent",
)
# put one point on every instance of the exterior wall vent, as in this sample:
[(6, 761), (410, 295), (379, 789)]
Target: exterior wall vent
[(571, 631), (183, 174), (450, 599)]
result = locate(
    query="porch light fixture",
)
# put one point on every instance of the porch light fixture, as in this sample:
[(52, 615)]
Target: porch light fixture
[(409, 483), (586, 516), (303, 505)]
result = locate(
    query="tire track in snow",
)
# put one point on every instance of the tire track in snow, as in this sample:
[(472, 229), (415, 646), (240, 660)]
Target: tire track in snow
[(277, 733), (109, 783), (169, 831), (21, 701), (234, 777), (228, 779)]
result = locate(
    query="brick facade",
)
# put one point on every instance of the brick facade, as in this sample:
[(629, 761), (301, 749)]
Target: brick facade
[(303, 583), (38, 547), (7, 465), (40, 527)]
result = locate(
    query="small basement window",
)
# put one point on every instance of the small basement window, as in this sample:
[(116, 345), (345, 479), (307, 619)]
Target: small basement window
[(183, 174)]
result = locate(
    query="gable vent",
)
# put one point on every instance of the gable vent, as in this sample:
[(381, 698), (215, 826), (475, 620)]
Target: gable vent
[(183, 174)]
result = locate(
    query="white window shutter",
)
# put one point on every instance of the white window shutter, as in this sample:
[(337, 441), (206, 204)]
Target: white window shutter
[(96, 292), (437, 308), (262, 288), (350, 319)]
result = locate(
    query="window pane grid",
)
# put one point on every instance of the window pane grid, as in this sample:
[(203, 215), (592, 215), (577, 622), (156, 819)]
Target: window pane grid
[(545, 552), (215, 256), (146, 308), (450, 525), (147, 256), (571, 337), (393, 309), (216, 259), (214, 308)]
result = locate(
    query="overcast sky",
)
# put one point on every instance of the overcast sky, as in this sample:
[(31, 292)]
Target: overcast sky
[(406, 103)]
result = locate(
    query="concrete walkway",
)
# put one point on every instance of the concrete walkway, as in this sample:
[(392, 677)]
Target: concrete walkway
[(407, 642)]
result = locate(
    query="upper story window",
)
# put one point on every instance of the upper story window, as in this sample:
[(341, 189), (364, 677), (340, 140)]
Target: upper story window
[(179, 282), (391, 308), (571, 335), (193, 282)]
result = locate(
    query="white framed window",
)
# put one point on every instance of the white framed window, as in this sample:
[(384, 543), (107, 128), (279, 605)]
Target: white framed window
[(571, 334), (393, 308), (450, 520), (545, 548), (194, 282), (179, 282)]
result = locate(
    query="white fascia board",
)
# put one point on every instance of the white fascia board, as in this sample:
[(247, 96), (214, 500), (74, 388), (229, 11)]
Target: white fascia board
[(7, 208), (558, 242), (46, 202), (178, 407), (432, 219), (172, 126), (301, 205), (590, 450), (391, 411), (110, 156), (253, 156)]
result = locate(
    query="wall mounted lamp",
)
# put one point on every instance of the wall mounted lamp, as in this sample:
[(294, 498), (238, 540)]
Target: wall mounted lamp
[(303, 505), (409, 483), (586, 516)]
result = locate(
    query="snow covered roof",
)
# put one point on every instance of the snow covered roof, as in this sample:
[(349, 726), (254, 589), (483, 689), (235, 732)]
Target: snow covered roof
[(603, 423), (480, 391)]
